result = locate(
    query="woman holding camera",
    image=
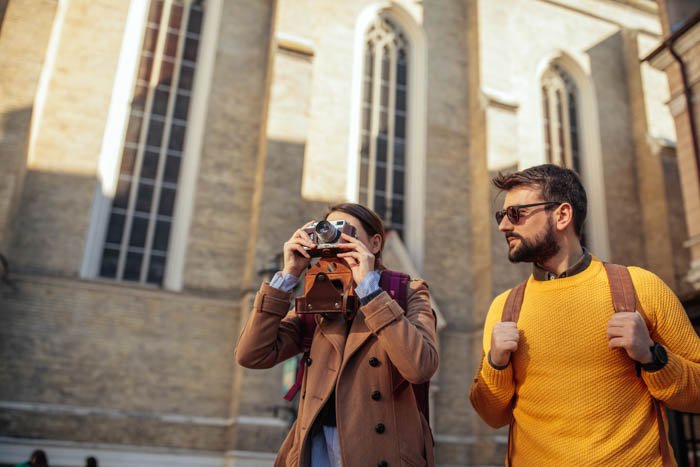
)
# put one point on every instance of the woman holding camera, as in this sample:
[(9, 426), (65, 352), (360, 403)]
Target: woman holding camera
[(357, 406)]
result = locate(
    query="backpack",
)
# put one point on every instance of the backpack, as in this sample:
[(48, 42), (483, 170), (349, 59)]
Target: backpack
[(396, 285), (624, 299)]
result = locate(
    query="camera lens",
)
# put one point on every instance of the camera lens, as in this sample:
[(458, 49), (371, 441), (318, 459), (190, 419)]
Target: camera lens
[(327, 233)]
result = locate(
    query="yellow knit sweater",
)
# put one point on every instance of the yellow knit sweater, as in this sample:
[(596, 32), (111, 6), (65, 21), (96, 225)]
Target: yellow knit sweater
[(574, 401)]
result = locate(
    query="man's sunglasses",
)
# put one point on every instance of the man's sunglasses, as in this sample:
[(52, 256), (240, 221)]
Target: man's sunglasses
[(513, 212)]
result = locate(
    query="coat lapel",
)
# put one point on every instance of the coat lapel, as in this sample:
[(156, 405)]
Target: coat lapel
[(359, 333), (334, 331)]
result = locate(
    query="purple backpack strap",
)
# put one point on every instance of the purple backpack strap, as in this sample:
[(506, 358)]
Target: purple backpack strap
[(396, 284), (308, 327)]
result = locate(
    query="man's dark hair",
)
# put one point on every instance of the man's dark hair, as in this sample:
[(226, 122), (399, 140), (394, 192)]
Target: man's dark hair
[(555, 183), (38, 459)]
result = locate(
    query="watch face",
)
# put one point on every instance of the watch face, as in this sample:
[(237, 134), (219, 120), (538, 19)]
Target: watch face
[(660, 354)]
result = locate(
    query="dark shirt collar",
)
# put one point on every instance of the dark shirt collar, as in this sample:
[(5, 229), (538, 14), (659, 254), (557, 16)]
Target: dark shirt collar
[(578, 266)]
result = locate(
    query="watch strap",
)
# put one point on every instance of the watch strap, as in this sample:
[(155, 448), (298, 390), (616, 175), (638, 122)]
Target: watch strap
[(657, 362)]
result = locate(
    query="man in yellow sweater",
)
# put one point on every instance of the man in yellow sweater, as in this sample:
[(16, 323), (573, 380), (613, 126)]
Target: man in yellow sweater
[(575, 380)]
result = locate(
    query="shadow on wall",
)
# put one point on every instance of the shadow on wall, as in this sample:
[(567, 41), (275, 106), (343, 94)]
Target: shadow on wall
[(611, 84), (14, 133), (282, 209)]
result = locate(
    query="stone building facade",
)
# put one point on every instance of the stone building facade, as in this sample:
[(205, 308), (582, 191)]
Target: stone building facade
[(155, 155), (678, 54)]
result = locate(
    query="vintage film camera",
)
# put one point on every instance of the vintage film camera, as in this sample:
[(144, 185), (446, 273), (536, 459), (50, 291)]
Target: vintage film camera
[(326, 236), (328, 286)]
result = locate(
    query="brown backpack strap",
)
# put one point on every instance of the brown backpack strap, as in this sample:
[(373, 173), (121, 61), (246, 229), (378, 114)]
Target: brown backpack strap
[(511, 310), (621, 287), (663, 439), (624, 299)]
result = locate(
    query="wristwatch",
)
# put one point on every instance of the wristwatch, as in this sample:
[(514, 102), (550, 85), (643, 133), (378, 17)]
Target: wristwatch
[(659, 359)]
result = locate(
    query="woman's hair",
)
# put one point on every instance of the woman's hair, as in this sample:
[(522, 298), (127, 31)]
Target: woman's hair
[(370, 221)]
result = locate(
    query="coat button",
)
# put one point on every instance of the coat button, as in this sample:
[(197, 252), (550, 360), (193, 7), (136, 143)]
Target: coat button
[(374, 361), (376, 395), (383, 464), (380, 428), (309, 361)]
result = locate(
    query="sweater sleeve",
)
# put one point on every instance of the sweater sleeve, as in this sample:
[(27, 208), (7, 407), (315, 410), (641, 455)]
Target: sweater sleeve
[(408, 338), (678, 383), (492, 391), (272, 334)]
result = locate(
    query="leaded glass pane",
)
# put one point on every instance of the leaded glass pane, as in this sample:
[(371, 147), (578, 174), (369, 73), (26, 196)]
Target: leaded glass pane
[(194, 25), (128, 160), (384, 121), (149, 170), (175, 18), (167, 202), (162, 235), (139, 228), (145, 69), (155, 133), (160, 102), (110, 260), (132, 269), (181, 106), (156, 269), (560, 118), (399, 158), (381, 150), (144, 198), (115, 229), (172, 169), (121, 197)]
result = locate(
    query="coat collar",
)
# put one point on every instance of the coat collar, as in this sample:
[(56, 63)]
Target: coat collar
[(359, 333), (346, 344), (334, 329)]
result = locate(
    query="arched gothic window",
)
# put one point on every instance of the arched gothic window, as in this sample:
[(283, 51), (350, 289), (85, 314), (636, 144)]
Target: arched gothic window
[(561, 129), (141, 215), (384, 111)]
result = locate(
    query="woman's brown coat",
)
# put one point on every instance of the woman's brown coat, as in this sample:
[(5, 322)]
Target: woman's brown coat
[(371, 371)]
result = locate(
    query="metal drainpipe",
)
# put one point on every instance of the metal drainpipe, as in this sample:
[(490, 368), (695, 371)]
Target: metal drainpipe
[(689, 106)]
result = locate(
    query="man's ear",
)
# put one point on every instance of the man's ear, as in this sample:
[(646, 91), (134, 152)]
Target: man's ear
[(375, 243), (564, 216)]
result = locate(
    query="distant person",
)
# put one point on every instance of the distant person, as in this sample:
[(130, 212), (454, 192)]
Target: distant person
[(37, 459)]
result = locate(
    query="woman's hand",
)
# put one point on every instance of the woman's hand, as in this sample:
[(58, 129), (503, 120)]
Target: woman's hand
[(296, 258), (358, 257)]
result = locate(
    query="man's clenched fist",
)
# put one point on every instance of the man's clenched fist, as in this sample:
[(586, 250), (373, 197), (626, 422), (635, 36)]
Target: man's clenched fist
[(504, 341), (628, 331)]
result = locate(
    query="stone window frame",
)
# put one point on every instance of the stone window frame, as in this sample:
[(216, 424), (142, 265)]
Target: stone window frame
[(114, 142), (589, 143), (408, 18), (561, 116)]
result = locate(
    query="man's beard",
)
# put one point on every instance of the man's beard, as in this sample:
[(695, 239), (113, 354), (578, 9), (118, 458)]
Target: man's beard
[(538, 251)]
